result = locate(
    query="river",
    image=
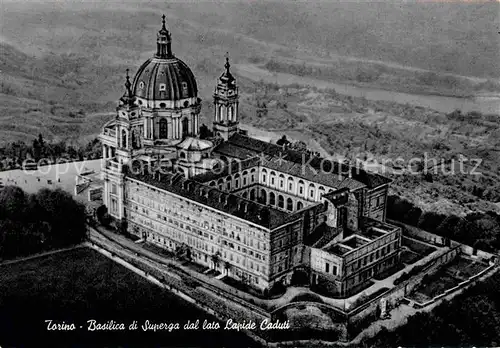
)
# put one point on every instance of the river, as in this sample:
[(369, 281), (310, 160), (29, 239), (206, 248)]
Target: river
[(484, 104)]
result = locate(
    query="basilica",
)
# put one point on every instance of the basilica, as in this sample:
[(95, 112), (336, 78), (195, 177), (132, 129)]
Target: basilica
[(251, 210)]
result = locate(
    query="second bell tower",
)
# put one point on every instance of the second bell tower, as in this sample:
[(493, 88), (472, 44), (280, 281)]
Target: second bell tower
[(226, 120)]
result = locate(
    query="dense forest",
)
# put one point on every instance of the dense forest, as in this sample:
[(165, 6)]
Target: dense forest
[(31, 223), (480, 230)]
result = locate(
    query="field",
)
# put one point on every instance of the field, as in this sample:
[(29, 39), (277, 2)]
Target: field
[(80, 285)]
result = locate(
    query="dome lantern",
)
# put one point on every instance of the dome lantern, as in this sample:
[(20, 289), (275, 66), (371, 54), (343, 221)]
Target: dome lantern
[(163, 42)]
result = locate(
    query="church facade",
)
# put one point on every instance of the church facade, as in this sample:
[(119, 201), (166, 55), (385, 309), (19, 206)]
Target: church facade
[(253, 211)]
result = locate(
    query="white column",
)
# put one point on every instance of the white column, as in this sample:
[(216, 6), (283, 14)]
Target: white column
[(104, 150)]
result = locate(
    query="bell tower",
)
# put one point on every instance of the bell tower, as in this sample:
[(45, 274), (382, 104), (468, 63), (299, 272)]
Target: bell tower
[(128, 124), (226, 118)]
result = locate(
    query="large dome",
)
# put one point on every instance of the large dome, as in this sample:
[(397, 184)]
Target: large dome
[(164, 79)]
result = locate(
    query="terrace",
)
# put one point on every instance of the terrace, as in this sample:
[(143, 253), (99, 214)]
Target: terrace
[(338, 249), (374, 233), (373, 230), (354, 241)]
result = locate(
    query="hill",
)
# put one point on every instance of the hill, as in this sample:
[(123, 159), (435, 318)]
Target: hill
[(63, 65)]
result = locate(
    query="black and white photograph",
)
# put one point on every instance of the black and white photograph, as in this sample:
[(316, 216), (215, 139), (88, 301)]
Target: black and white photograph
[(250, 173)]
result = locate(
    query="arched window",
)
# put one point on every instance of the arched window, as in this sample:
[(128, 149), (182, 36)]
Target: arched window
[(124, 139), (301, 187), (299, 205), (321, 191), (163, 129), (281, 201), (244, 175), (252, 195), (290, 184), (282, 181), (245, 194), (272, 175), (289, 204), (263, 196), (185, 127), (272, 198), (182, 155), (312, 191)]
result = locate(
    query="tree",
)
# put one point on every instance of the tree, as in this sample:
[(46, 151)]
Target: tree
[(430, 221), (101, 211), (283, 141), (32, 223), (215, 259), (412, 216), (13, 203), (205, 132)]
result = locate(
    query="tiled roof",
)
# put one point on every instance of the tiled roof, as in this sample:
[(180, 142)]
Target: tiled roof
[(259, 214), (234, 167), (241, 146), (309, 173)]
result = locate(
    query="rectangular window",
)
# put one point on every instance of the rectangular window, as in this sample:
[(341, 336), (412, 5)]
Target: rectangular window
[(327, 267)]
